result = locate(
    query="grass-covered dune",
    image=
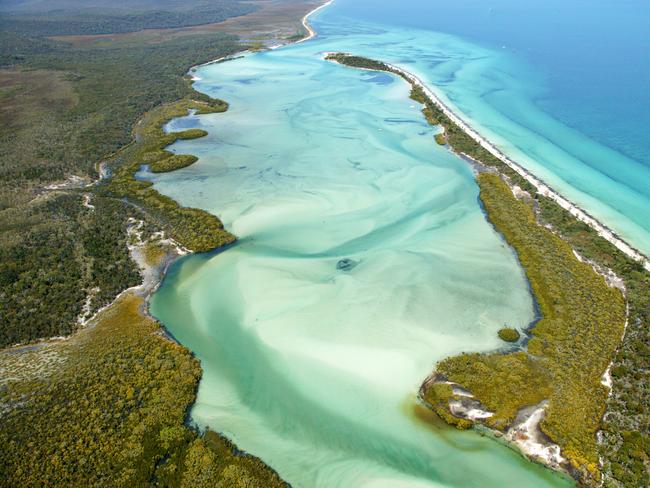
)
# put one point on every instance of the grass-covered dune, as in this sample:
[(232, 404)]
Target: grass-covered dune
[(579, 334)]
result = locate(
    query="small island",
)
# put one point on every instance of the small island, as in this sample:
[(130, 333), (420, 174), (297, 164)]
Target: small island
[(172, 163), (509, 335)]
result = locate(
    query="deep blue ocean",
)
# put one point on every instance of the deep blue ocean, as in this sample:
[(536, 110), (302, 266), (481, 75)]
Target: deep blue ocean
[(561, 85)]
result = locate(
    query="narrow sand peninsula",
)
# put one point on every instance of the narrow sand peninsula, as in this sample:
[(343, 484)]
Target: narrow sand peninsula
[(543, 188), (540, 185), (305, 22), (311, 33)]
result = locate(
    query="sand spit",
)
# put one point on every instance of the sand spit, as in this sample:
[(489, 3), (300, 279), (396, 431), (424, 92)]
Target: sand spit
[(311, 33), (540, 185), (542, 188), (527, 436)]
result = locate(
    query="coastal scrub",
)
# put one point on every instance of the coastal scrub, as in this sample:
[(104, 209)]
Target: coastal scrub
[(193, 228), (624, 442), (108, 408)]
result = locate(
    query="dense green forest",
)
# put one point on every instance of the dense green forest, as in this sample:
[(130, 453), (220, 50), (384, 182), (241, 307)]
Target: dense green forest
[(108, 408), (71, 252), (625, 444), (64, 111), (78, 19)]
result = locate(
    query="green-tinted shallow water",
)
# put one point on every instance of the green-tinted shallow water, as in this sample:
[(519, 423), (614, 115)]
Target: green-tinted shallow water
[(311, 362)]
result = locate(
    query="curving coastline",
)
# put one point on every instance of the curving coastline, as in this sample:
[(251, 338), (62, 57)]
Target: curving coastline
[(542, 188), (311, 33), (539, 184), (398, 441), (598, 328)]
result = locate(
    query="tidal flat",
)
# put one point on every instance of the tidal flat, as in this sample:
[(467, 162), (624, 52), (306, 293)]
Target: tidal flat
[(308, 365)]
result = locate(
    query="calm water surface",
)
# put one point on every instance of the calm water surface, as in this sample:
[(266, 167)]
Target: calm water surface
[(560, 85), (363, 258)]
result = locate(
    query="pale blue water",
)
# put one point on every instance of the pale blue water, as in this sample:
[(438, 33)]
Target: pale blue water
[(315, 368)]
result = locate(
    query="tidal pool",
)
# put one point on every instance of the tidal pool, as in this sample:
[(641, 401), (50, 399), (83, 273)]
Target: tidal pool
[(363, 258)]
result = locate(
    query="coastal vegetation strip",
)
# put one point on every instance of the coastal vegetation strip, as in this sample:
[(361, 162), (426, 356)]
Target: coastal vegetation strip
[(194, 229), (581, 329), (569, 348), (108, 407), (490, 151), (65, 110)]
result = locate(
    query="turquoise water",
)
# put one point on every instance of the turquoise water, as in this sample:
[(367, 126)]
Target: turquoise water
[(364, 256), (315, 368), (310, 366), (561, 86)]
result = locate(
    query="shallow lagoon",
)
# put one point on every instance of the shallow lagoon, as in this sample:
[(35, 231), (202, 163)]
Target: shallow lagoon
[(559, 86), (312, 367)]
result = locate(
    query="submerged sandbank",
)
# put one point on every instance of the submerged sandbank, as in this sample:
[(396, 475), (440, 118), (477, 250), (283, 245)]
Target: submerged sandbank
[(542, 188)]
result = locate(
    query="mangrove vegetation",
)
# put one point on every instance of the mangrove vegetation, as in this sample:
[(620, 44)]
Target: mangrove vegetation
[(509, 335), (108, 408), (193, 228)]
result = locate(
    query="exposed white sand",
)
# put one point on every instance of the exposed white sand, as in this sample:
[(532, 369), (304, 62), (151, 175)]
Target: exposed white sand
[(311, 33), (86, 201), (73, 181), (461, 410), (541, 187), (526, 435), (192, 71)]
